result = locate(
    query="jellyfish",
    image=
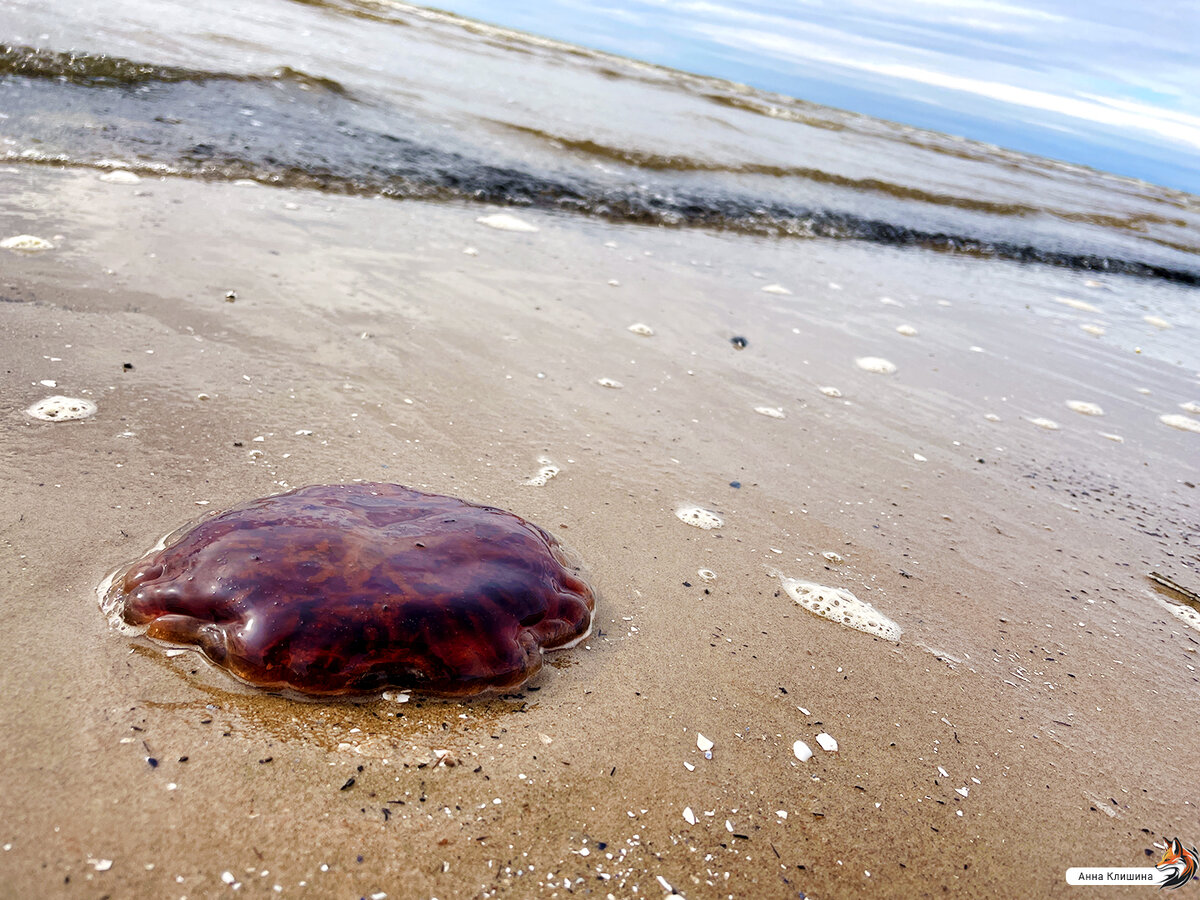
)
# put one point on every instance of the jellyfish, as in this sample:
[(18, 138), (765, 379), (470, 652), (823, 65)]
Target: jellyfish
[(354, 589)]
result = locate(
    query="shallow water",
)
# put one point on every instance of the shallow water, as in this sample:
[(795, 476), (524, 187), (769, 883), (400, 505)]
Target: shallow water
[(399, 101)]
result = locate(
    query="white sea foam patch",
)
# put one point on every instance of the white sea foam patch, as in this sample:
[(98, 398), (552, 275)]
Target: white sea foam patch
[(1043, 422), (838, 605), (26, 243), (609, 383), (1156, 321), (699, 517), (1184, 614), (906, 330), (547, 471), (771, 412), (876, 364), (1183, 423), (1108, 436), (505, 222), (1081, 305), (775, 289), (1094, 330), (1191, 406), (830, 391), (1084, 408), (61, 409), (641, 328)]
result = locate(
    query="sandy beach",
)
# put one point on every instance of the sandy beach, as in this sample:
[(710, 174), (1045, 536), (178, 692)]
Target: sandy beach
[(1034, 715)]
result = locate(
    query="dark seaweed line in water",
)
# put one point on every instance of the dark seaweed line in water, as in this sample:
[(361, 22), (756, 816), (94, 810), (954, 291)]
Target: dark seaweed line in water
[(510, 187), (90, 70), (677, 163)]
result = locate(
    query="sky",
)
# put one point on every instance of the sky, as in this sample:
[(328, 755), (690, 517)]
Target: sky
[(1110, 84)]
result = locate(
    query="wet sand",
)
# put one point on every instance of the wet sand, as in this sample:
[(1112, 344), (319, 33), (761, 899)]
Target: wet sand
[(1037, 667)]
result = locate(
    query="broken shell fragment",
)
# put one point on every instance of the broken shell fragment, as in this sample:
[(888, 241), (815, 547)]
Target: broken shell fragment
[(828, 744)]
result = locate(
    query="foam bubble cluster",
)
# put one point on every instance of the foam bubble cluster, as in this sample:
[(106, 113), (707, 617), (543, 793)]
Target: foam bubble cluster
[(699, 517), (61, 409), (839, 605), (26, 243), (641, 328), (771, 412), (547, 471), (1043, 422), (1084, 408)]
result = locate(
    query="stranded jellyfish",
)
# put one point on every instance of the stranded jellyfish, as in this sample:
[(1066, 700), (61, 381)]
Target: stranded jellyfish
[(357, 588)]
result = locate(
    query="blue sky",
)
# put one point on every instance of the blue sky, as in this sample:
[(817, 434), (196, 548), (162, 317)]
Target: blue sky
[(1112, 84)]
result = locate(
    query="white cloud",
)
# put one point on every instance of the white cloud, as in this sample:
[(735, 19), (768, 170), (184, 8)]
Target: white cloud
[(1177, 127)]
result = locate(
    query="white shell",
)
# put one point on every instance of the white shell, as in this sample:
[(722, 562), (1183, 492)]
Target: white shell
[(1042, 422), (876, 364), (120, 176), (505, 222), (1183, 423)]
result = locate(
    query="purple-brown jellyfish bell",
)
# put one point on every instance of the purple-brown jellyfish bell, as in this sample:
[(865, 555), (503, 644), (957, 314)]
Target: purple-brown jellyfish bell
[(352, 589)]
